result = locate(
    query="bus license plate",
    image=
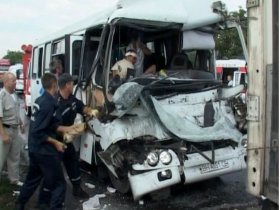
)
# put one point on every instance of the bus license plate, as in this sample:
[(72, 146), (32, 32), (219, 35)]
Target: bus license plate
[(214, 167)]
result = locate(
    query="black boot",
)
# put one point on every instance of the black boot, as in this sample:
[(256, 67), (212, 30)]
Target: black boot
[(42, 206), (79, 192), (19, 206)]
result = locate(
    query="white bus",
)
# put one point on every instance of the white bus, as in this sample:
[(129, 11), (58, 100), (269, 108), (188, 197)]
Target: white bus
[(156, 130)]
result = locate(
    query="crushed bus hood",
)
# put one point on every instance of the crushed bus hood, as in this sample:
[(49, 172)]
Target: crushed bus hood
[(183, 116)]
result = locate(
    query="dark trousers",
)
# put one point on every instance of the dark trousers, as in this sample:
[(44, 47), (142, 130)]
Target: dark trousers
[(71, 163), (47, 167)]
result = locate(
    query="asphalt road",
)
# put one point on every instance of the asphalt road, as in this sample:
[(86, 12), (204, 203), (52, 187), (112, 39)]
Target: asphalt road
[(226, 192)]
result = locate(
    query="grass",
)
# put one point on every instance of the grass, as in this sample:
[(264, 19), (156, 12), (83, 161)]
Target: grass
[(7, 200)]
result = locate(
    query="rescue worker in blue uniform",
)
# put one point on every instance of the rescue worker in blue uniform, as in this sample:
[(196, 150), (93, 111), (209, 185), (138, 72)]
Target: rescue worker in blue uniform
[(69, 106), (44, 149)]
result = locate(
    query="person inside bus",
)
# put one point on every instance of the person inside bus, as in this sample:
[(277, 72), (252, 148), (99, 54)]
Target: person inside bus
[(229, 80), (56, 67), (143, 53), (121, 67), (123, 70)]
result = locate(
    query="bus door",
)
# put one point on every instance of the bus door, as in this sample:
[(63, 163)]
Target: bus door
[(36, 72)]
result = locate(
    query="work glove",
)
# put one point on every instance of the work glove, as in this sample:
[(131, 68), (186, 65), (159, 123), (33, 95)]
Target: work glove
[(91, 112), (77, 130)]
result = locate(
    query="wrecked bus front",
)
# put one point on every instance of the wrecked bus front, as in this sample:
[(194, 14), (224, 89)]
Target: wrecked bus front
[(162, 138), (172, 126)]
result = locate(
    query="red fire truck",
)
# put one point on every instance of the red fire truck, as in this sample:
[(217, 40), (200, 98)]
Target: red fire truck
[(27, 50)]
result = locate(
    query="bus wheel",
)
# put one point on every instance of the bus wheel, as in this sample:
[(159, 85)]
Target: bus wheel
[(121, 184)]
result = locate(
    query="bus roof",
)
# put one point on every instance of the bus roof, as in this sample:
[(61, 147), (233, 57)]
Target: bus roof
[(190, 13)]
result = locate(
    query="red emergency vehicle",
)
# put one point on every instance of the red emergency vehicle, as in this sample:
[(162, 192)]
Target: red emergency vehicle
[(4, 67), (237, 68), (27, 50)]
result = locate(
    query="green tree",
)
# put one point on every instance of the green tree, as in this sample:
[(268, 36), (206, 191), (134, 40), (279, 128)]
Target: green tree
[(228, 44), (14, 56)]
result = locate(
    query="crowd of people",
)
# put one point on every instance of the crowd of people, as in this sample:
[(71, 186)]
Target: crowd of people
[(52, 119)]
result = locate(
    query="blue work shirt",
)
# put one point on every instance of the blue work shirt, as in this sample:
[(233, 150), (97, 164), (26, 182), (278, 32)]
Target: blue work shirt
[(68, 108), (44, 122)]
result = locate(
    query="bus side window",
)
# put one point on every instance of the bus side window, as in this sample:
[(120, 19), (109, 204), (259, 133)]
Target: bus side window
[(58, 53), (40, 64), (90, 53), (37, 63), (76, 55), (47, 57)]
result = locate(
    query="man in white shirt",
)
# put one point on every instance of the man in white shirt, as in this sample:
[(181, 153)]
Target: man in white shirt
[(120, 68), (229, 79), (10, 122)]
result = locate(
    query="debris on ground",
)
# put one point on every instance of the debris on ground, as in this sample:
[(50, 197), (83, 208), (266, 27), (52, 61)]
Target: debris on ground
[(105, 206), (141, 202), (93, 203), (111, 189), (89, 185), (16, 193)]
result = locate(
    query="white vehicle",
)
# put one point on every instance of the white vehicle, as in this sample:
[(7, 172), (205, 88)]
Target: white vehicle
[(237, 68), (17, 70), (154, 131)]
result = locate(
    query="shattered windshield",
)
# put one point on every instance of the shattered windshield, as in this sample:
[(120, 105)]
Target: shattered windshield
[(148, 56)]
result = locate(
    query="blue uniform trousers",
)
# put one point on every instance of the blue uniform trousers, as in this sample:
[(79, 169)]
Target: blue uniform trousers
[(47, 167), (71, 163)]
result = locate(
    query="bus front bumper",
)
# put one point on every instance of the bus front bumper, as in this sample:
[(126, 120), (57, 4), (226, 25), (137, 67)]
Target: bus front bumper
[(195, 168)]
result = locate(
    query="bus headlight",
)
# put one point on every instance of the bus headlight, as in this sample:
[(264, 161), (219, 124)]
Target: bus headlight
[(165, 157), (152, 158)]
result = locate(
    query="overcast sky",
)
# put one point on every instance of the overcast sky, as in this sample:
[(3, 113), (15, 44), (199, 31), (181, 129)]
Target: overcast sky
[(24, 21)]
